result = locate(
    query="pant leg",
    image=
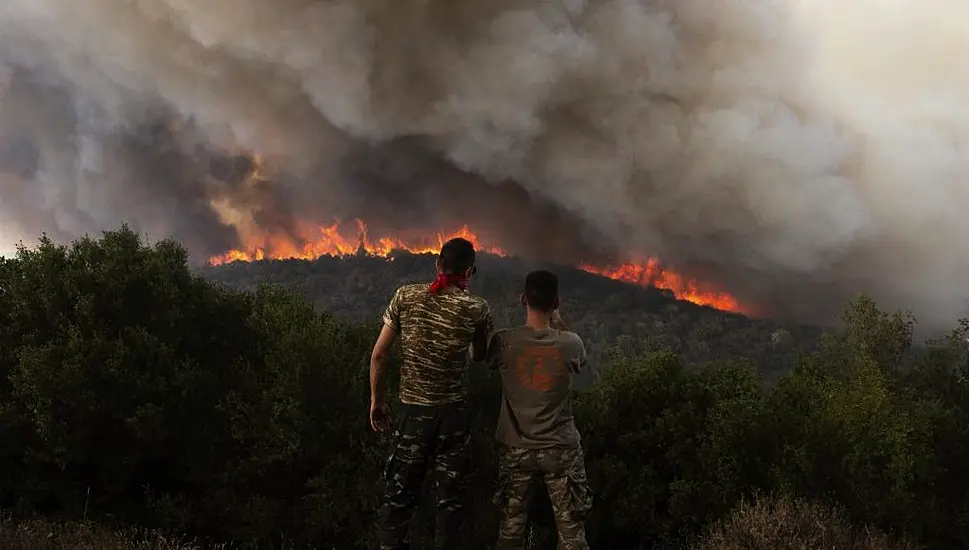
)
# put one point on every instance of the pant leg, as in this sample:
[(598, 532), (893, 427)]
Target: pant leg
[(568, 489), (516, 474), (451, 468), (404, 473)]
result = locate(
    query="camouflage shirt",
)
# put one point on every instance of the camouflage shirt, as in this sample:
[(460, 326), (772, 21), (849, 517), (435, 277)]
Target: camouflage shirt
[(436, 332)]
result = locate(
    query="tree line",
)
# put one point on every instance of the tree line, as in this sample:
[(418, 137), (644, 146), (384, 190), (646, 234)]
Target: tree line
[(134, 391)]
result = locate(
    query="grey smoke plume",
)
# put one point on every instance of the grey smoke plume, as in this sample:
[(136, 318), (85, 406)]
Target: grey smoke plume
[(794, 152)]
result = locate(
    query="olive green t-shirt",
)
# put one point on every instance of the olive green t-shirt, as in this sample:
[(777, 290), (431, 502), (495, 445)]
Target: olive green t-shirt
[(436, 332), (539, 371)]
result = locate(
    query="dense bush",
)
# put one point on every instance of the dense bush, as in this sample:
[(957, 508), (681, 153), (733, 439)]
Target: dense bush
[(133, 391)]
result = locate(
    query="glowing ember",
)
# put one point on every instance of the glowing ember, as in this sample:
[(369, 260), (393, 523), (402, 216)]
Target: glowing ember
[(333, 242)]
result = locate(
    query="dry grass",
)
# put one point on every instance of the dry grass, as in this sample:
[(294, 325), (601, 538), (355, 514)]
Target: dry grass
[(37, 534), (790, 524), (765, 524)]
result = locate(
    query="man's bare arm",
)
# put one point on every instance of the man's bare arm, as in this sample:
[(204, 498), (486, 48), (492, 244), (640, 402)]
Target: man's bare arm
[(378, 364)]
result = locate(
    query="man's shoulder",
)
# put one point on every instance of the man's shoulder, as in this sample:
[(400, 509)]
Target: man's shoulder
[(523, 331), (450, 308), (571, 342), (413, 288), (570, 337), (474, 300), (512, 333), (502, 333), (411, 292), (462, 301)]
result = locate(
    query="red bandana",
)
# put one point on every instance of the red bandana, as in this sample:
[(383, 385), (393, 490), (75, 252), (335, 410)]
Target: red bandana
[(442, 281)]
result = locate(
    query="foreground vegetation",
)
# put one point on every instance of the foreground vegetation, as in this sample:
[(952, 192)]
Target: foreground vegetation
[(39, 534), (788, 524), (133, 392), (766, 524)]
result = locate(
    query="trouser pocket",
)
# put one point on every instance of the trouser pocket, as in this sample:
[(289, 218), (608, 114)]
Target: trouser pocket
[(566, 479)]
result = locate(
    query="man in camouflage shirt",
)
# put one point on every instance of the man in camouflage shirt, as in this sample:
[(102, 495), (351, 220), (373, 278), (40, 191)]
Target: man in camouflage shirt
[(437, 323), (541, 364)]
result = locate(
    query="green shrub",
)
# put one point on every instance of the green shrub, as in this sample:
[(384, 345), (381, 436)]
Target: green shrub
[(660, 441)]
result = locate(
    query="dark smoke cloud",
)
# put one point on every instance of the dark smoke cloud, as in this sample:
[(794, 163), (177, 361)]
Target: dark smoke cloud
[(771, 146)]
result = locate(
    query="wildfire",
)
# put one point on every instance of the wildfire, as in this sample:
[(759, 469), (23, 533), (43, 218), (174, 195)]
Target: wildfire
[(652, 274), (334, 242)]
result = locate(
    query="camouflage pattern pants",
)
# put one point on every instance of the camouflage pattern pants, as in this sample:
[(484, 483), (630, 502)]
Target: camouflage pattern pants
[(437, 437), (563, 470)]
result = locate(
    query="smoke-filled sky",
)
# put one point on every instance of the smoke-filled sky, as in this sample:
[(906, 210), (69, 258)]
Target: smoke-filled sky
[(794, 152)]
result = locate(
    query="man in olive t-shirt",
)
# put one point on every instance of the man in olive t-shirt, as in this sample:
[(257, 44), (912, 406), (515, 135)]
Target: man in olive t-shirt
[(541, 364)]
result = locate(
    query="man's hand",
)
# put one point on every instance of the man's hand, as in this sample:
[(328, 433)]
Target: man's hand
[(556, 321), (379, 416), (379, 410)]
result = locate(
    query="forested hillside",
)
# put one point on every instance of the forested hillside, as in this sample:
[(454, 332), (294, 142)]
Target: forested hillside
[(141, 396), (615, 318)]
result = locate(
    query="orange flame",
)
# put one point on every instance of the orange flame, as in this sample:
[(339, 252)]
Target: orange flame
[(332, 242), (651, 273)]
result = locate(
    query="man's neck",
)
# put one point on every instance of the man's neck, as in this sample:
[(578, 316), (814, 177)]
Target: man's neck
[(538, 320)]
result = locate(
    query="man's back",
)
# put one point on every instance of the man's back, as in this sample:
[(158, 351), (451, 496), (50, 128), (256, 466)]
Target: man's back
[(537, 369), (435, 333)]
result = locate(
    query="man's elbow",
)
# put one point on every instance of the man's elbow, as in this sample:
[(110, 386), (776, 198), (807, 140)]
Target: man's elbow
[(378, 358)]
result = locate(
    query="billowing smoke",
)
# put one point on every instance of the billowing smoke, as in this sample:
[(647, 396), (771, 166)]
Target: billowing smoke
[(794, 152)]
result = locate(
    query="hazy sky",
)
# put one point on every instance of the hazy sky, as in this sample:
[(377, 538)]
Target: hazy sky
[(796, 152)]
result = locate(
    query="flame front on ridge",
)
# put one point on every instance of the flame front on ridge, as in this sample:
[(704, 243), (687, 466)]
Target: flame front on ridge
[(332, 241)]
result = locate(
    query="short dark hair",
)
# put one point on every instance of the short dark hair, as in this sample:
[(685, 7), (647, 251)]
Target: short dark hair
[(457, 256), (541, 290)]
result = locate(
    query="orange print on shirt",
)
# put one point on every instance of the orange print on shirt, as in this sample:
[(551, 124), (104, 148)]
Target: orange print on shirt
[(538, 366)]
